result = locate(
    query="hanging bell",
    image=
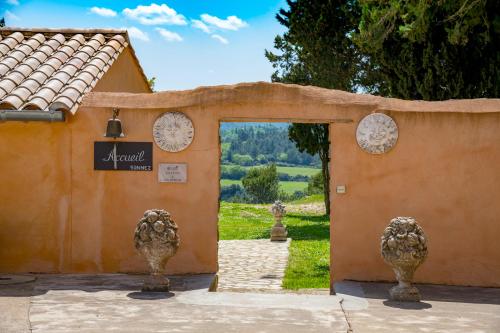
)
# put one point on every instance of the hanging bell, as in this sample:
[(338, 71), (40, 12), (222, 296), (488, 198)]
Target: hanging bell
[(114, 128)]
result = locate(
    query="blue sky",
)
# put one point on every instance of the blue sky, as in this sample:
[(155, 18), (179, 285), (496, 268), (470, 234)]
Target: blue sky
[(184, 43)]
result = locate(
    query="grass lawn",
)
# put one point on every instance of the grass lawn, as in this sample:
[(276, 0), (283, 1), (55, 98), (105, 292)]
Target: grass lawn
[(309, 261), (288, 187)]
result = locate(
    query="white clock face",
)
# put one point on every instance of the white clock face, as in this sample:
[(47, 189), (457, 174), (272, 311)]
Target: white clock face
[(173, 131)]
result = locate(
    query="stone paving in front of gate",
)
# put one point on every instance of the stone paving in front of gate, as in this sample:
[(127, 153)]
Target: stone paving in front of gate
[(252, 265), (67, 303)]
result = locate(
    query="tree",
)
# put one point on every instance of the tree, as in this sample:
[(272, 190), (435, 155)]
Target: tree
[(262, 184), (318, 49), (152, 83), (314, 139), (433, 50), (412, 49), (315, 184)]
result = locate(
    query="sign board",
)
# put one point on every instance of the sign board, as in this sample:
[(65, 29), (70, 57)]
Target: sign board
[(172, 173), (119, 155)]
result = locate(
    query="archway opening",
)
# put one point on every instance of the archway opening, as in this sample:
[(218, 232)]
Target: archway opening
[(260, 164)]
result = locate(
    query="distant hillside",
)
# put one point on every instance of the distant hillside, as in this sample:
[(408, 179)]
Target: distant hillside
[(228, 126), (249, 144)]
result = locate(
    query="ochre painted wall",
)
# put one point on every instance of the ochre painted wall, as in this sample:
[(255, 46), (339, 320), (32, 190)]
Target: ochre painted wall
[(444, 171), (35, 197), (124, 75), (108, 204)]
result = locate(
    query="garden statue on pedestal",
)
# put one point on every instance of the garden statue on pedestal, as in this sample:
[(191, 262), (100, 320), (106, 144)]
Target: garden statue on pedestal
[(404, 247), (157, 240), (278, 232)]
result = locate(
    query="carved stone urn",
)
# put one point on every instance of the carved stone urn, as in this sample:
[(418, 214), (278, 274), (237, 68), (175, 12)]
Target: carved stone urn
[(157, 240), (404, 248), (278, 232)]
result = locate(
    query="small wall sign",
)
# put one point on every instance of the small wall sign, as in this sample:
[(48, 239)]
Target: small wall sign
[(172, 173), (130, 156)]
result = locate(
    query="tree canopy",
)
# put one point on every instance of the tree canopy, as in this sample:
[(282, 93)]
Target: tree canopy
[(432, 50), (262, 184), (412, 49), (317, 49), (260, 145)]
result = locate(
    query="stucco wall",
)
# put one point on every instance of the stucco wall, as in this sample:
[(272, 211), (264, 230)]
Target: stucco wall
[(108, 204), (444, 171), (124, 76), (35, 196)]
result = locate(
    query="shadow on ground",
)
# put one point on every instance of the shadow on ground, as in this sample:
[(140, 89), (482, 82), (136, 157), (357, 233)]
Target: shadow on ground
[(148, 296), (104, 282), (436, 293), (408, 305)]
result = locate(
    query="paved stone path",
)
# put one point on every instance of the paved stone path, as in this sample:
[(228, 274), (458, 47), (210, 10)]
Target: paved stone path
[(113, 303), (252, 265)]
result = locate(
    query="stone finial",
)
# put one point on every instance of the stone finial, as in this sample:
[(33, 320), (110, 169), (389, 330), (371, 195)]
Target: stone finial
[(157, 240), (278, 209), (404, 248), (278, 232)]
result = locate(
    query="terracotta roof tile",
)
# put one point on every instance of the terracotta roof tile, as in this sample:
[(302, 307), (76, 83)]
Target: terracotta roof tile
[(45, 69)]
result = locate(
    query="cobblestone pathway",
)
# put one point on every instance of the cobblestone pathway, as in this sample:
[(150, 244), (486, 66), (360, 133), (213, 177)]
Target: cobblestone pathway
[(252, 265)]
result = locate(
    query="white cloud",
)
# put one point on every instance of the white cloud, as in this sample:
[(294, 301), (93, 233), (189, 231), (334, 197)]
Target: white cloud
[(101, 11), (155, 14), (13, 2), (11, 16), (197, 24), (220, 39), (230, 23), (169, 36), (137, 33)]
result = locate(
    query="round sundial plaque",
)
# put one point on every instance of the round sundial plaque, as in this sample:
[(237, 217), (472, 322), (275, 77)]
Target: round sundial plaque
[(173, 131), (377, 133)]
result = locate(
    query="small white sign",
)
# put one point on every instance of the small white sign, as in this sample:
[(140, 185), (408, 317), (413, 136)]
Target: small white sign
[(172, 173), (341, 189)]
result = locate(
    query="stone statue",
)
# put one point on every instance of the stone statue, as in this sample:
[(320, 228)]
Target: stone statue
[(404, 247), (157, 240), (278, 232)]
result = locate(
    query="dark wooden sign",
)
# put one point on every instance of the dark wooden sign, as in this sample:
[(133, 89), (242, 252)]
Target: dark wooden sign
[(131, 156)]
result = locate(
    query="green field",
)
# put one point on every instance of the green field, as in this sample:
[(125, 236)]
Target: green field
[(292, 171), (309, 260), (315, 198), (288, 187)]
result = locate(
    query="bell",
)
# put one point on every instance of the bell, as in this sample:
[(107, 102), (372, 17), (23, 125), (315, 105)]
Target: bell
[(114, 128)]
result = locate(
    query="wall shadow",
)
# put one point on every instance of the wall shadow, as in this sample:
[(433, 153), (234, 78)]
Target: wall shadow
[(431, 292), (92, 283)]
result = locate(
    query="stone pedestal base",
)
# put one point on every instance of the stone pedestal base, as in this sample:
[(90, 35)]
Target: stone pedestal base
[(404, 294), (156, 283), (278, 233)]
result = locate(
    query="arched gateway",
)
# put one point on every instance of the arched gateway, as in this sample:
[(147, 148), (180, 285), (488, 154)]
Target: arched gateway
[(443, 169)]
